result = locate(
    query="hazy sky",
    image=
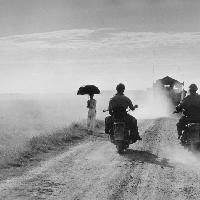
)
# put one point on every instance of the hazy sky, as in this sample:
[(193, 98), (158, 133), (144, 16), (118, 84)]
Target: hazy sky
[(28, 16), (59, 45)]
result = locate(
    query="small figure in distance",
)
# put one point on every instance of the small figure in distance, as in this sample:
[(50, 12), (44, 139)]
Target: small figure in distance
[(117, 106), (190, 106), (91, 105)]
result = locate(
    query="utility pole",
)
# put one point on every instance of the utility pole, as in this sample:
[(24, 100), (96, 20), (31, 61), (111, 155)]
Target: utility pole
[(183, 94), (153, 74), (154, 64)]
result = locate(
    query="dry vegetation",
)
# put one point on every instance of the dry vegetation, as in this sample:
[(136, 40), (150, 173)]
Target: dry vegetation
[(53, 142)]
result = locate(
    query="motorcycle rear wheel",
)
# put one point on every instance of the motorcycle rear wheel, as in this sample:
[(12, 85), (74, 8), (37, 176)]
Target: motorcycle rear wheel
[(195, 147), (120, 148)]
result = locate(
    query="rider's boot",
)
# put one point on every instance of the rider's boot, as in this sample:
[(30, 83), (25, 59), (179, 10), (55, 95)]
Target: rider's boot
[(138, 137), (112, 138), (179, 130), (137, 134), (111, 134), (107, 129), (134, 136)]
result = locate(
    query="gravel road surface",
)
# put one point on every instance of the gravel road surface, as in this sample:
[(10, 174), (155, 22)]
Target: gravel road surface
[(153, 169)]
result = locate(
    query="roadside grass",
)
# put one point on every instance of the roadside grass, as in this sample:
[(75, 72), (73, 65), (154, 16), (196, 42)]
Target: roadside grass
[(51, 142)]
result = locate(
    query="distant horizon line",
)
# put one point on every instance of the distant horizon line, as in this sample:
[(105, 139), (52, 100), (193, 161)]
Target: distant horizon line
[(90, 29), (109, 90)]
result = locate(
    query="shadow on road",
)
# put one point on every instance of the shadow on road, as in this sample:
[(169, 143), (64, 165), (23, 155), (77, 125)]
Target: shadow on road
[(145, 157)]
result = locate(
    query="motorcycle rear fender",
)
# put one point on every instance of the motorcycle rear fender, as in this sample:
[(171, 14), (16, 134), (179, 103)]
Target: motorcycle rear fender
[(119, 131)]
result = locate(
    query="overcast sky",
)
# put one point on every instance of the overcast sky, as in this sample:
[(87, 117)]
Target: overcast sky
[(59, 45)]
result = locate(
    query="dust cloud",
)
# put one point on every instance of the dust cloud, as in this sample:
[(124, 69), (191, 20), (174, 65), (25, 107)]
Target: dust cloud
[(178, 155), (154, 104), (24, 116)]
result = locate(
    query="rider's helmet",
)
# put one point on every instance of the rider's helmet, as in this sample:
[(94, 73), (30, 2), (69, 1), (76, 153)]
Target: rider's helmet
[(120, 88), (193, 87)]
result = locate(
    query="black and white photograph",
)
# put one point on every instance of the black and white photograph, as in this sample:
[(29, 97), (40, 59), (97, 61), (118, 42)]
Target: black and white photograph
[(99, 99)]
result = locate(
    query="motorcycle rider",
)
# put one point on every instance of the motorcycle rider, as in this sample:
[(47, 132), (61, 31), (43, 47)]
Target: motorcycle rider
[(117, 109), (190, 106)]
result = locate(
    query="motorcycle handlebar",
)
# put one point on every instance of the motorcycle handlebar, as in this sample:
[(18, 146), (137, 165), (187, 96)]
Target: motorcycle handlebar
[(106, 110), (175, 112)]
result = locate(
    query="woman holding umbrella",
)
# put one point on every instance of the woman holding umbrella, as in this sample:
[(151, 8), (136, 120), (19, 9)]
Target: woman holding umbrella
[(91, 105)]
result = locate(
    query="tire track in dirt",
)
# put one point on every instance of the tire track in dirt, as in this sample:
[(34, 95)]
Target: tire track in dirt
[(142, 162), (169, 179), (93, 170), (89, 171)]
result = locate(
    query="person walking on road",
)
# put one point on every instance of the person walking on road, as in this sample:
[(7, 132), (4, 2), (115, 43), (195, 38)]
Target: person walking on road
[(91, 105)]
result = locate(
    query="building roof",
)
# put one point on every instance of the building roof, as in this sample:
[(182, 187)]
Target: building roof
[(168, 81)]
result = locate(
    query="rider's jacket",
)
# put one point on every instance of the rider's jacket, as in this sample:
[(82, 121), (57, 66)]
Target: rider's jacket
[(120, 101), (191, 106)]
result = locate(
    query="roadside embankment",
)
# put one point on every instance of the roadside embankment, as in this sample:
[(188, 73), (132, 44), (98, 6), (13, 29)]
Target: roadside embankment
[(42, 147)]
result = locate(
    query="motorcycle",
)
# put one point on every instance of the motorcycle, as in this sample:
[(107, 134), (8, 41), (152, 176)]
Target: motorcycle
[(190, 137), (119, 133)]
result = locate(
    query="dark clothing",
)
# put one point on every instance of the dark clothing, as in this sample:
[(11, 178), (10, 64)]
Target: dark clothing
[(181, 125), (117, 109), (120, 100), (190, 106)]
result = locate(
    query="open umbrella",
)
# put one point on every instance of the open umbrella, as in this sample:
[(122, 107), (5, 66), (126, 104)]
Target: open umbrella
[(88, 89)]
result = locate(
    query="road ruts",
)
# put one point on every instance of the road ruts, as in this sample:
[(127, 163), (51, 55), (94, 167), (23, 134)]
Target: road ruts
[(149, 170)]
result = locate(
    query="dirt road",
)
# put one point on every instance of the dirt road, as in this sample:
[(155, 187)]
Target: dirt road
[(155, 168)]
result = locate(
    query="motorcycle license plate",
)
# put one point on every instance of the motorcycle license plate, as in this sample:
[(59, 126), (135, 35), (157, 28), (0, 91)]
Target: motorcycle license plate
[(119, 131)]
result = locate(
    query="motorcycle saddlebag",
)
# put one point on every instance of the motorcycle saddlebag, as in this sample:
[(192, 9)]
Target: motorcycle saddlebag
[(194, 132)]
